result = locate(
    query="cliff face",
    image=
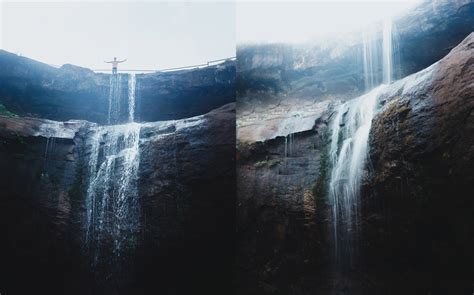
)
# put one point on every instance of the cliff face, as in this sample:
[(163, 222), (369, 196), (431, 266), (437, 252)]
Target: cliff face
[(279, 229), (187, 186), (31, 88), (416, 202), (276, 81), (186, 191), (421, 182)]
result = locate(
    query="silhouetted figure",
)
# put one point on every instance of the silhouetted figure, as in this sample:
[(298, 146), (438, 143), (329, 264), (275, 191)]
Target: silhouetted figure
[(115, 63)]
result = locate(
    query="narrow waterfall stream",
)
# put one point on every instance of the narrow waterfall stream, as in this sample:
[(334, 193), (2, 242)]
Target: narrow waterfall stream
[(115, 95), (113, 211), (132, 81), (348, 151), (349, 147)]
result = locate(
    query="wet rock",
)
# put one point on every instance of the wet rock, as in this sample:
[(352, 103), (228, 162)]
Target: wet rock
[(187, 187), (278, 217), (186, 192), (421, 181)]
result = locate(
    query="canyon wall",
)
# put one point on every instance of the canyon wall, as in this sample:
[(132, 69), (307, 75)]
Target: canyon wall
[(34, 89)]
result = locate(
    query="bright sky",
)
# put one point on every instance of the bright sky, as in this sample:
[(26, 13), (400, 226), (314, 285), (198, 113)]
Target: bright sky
[(294, 22), (151, 35)]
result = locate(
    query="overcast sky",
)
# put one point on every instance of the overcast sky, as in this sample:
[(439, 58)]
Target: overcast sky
[(160, 34), (305, 21), (151, 35)]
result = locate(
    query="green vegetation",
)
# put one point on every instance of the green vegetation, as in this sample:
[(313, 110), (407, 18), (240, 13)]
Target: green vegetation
[(5, 112), (266, 163)]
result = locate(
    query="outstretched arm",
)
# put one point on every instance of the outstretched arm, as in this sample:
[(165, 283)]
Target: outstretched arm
[(108, 62), (122, 60)]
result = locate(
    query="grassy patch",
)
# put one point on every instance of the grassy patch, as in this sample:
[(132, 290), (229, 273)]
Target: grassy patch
[(5, 112)]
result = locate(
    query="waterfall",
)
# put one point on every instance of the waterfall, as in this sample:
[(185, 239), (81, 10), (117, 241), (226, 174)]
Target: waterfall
[(370, 58), (112, 222), (387, 51), (115, 94), (378, 57), (348, 151), (349, 146), (132, 81), (113, 211)]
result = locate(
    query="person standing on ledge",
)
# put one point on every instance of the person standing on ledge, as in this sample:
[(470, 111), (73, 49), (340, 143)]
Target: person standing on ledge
[(115, 63)]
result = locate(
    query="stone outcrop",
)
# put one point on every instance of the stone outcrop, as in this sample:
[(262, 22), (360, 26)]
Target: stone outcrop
[(279, 232), (420, 212), (187, 186), (186, 191), (34, 89)]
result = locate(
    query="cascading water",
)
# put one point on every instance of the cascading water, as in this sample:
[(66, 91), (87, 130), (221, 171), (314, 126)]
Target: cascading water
[(349, 145), (348, 151), (113, 211), (378, 57), (132, 81), (387, 51), (115, 94), (370, 58)]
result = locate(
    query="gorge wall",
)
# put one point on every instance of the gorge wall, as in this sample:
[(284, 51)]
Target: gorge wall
[(186, 191), (94, 209), (34, 89), (416, 205), (419, 206), (274, 81)]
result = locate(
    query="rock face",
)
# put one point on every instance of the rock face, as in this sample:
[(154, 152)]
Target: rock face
[(417, 207), (187, 186), (186, 191), (31, 88), (279, 229), (420, 213), (184, 94), (39, 208), (275, 79)]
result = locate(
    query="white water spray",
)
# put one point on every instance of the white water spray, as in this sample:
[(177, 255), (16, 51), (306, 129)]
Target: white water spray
[(349, 146), (378, 56), (348, 151), (113, 211), (370, 58), (132, 81), (115, 94), (387, 52)]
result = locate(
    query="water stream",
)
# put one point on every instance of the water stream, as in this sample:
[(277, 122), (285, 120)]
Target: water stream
[(348, 151), (113, 211), (349, 146)]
